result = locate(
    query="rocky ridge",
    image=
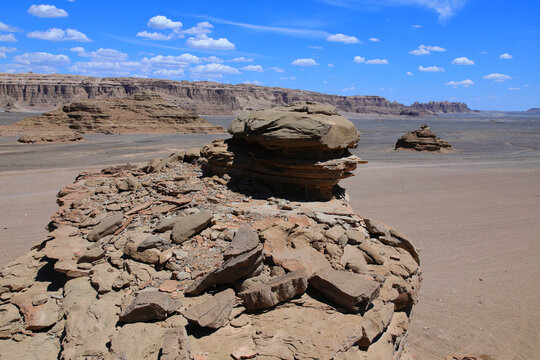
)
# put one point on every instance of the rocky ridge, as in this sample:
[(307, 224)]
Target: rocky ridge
[(36, 92), (442, 107), (143, 112), (422, 140), (164, 262)]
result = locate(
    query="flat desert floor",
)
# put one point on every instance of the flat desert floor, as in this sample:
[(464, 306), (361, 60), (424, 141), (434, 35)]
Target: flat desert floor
[(474, 213)]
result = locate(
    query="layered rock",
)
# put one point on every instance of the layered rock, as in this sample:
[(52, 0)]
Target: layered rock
[(303, 146), (270, 278), (36, 92), (422, 140), (441, 107), (143, 112)]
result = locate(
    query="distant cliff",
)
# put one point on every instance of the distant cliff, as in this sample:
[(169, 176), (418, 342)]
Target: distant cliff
[(442, 107), (533, 111), (36, 92)]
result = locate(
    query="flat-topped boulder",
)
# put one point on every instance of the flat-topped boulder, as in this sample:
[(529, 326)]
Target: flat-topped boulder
[(302, 148), (422, 140)]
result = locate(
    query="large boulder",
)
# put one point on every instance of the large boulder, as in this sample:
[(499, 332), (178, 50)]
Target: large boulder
[(301, 148)]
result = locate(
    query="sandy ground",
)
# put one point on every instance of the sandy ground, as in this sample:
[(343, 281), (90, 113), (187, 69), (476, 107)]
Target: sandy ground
[(474, 214)]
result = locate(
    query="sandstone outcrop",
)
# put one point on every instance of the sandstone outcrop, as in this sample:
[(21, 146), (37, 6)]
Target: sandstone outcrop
[(36, 92), (422, 140), (50, 138), (266, 277), (143, 112), (303, 146)]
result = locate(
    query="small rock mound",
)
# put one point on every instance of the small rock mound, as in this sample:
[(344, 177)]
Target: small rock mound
[(143, 112), (51, 138), (303, 146), (422, 140)]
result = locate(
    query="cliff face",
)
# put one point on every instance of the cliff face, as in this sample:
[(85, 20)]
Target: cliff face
[(37, 92), (533, 111), (442, 107)]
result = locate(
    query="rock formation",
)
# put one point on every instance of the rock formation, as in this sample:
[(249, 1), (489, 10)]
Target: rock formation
[(441, 107), (302, 146), (250, 278), (533, 111), (422, 140), (35, 92), (144, 112)]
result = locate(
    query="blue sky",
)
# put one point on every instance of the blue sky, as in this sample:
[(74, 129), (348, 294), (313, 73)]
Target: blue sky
[(484, 53)]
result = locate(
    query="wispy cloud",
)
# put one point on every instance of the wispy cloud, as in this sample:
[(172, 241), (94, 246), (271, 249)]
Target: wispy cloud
[(426, 50), (300, 32), (505, 56), (462, 61), (465, 83), (445, 8), (362, 60), (497, 77), (431, 69), (343, 38), (305, 62)]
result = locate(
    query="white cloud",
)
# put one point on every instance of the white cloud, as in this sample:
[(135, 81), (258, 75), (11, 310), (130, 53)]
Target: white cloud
[(409, 73), (201, 28), (483, 52), (330, 65), (304, 62), (316, 47), (242, 59), (431, 69), (465, 83), (154, 35), (362, 60), (350, 88), (171, 61), (514, 88), (47, 11), (497, 77), (416, 26), (505, 56), (276, 69), (288, 78), (462, 61), (8, 38), (8, 28), (7, 49), (343, 38), (3, 55), (213, 70), (169, 73), (100, 54), (374, 39), (162, 22), (55, 34), (204, 42), (213, 59), (426, 50), (41, 58), (256, 68), (102, 68), (255, 82)]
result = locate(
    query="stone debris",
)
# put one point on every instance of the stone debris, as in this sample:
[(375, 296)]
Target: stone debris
[(245, 275), (422, 140)]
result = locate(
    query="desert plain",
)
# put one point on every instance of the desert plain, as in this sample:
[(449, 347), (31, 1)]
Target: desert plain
[(474, 213)]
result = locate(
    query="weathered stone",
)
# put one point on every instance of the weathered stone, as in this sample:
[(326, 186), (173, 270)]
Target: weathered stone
[(353, 291), (92, 254), (107, 226), (153, 241), (132, 249), (246, 239), (36, 317), (213, 312), (275, 291), (41, 346), (137, 341), (230, 271), (375, 322), (353, 259), (65, 247), (190, 225), (422, 140), (148, 305), (9, 317), (357, 235), (103, 277), (175, 345), (406, 244), (333, 250)]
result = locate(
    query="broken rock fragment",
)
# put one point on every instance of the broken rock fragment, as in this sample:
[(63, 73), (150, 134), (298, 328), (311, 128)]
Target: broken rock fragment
[(352, 291), (275, 291), (214, 312), (246, 239), (150, 304), (190, 225), (107, 226)]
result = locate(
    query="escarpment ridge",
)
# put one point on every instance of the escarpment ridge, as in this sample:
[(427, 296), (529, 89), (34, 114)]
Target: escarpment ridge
[(37, 92)]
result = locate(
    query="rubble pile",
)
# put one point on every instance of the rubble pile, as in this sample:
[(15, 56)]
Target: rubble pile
[(422, 140)]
